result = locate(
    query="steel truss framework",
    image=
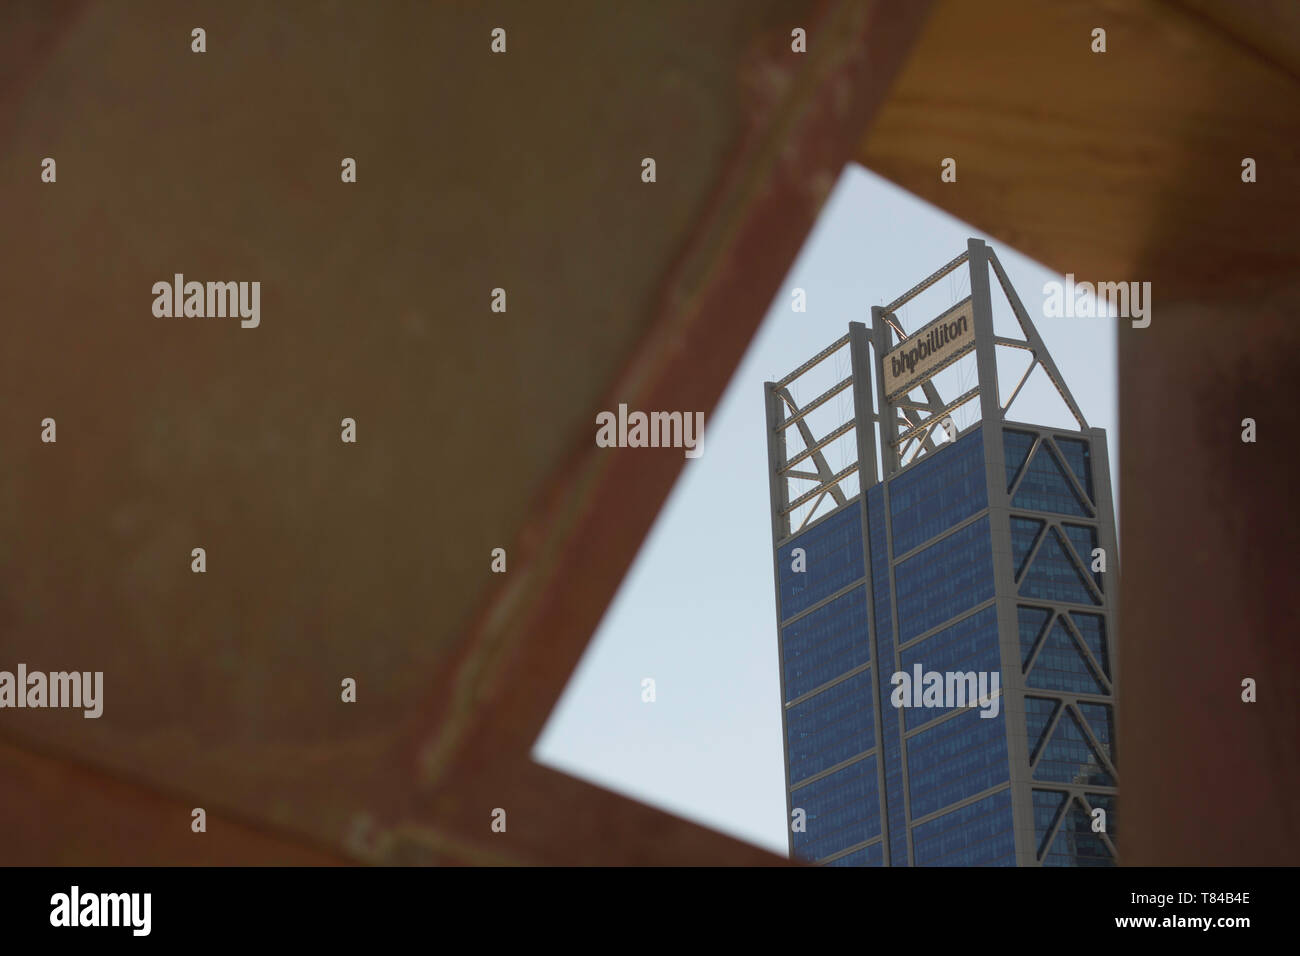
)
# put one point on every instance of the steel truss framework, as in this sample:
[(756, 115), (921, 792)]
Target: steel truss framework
[(901, 434)]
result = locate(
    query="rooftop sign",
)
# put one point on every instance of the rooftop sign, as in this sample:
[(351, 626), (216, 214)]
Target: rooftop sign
[(928, 351)]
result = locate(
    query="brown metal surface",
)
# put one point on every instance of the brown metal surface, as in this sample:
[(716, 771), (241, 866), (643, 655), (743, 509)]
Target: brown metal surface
[(1126, 166), (475, 429), (371, 561)]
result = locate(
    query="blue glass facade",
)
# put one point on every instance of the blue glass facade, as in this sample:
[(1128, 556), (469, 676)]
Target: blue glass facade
[(1048, 805), (978, 834), (1054, 575), (840, 810), (1024, 535), (1084, 540), (868, 856), (922, 764), (952, 575), (833, 556), (825, 643), (1075, 843), (1064, 650), (1079, 457), (1069, 757), (903, 576), (1045, 487), (1016, 446), (969, 645), (1032, 621), (1061, 666), (1092, 627), (830, 727), (891, 735), (956, 759), (926, 502), (1039, 712)]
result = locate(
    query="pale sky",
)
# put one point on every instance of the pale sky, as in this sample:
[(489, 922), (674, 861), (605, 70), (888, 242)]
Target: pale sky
[(697, 610)]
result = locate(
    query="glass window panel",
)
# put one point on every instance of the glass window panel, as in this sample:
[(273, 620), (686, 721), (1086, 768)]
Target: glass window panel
[(1032, 621), (868, 856), (1039, 712), (831, 726), (825, 643), (1078, 456), (1075, 843), (1093, 629), (1069, 758), (1047, 807), (970, 645), (891, 744), (979, 834), (833, 558), (1046, 488), (956, 759), (1084, 540), (1015, 449), (1053, 576), (938, 492), (1060, 666), (1024, 532), (842, 809), (952, 575), (1100, 719)]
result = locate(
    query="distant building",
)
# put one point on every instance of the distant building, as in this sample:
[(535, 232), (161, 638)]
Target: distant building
[(963, 574)]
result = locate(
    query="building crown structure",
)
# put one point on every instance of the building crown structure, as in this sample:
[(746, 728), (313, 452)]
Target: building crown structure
[(945, 599)]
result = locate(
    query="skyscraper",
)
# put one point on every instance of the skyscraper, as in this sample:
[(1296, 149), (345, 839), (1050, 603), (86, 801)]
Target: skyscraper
[(945, 600)]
